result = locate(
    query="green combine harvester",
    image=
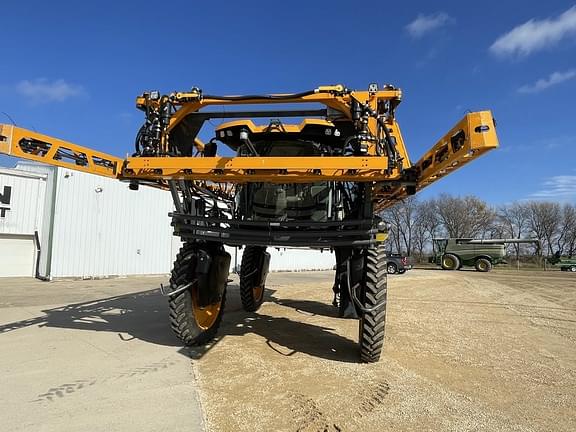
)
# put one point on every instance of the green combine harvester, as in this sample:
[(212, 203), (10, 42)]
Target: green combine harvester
[(566, 264), (454, 253)]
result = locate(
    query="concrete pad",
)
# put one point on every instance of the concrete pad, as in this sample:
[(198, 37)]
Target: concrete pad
[(92, 355)]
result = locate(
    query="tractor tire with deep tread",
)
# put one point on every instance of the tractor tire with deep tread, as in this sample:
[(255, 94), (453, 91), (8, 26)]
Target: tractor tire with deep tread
[(251, 293), (483, 265), (185, 313), (372, 324), (450, 262)]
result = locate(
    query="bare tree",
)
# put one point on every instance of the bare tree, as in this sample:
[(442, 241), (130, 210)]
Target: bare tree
[(393, 217), (544, 222), (464, 217), (514, 219), (426, 227), (409, 216), (566, 240), (403, 217), (421, 238)]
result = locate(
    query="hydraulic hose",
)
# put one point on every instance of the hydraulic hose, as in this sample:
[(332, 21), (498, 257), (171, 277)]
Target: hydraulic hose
[(269, 97), (352, 293), (390, 151)]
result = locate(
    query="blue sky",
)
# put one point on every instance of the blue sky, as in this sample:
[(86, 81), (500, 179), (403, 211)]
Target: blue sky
[(72, 70)]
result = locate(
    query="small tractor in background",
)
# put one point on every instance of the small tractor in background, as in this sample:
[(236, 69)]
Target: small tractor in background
[(483, 255), (565, 263), (320, 183)]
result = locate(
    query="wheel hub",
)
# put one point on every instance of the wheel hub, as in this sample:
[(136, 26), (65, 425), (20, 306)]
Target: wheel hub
[(205, 315), (258, 292)]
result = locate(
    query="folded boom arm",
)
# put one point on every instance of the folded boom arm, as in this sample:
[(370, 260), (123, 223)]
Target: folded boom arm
[(471, 137)]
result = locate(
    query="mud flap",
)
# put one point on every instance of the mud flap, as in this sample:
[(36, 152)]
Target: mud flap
[(212, 272), (346, 306), (265, 268)]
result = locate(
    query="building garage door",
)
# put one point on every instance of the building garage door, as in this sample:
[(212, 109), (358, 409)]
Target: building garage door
[(17, 255)]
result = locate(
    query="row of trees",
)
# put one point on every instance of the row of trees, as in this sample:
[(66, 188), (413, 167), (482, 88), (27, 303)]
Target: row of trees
[(415, 222)]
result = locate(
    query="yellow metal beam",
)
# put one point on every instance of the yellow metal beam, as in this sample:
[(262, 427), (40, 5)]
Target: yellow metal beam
[(332, 96), (470, 138), (261, 169), (479, 136), (25, 144)]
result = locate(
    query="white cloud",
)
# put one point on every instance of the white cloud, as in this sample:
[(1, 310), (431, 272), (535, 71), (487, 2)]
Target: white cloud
[(542, 84), (535, 35), (558, 187), (41, 90), (424, 24)]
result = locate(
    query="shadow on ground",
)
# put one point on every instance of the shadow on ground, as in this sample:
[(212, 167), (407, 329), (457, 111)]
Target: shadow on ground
[(310, 308), (144, 316)]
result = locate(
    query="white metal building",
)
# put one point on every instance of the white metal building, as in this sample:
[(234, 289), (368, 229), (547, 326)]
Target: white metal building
[(56, 223), (20, 230)]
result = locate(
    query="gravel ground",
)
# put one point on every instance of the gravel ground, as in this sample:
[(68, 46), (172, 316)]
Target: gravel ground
[(464, 352)]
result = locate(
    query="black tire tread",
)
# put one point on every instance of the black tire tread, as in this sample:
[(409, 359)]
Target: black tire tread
[(372, 324), (488, 265), (181, 315), (457, 262), (248, 277)]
